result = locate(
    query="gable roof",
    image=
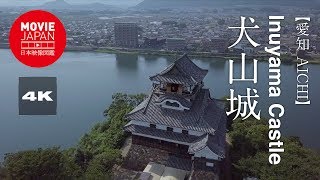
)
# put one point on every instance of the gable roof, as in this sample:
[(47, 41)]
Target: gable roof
[(216, 143), (166, 96), (204, 115), (182, 71)]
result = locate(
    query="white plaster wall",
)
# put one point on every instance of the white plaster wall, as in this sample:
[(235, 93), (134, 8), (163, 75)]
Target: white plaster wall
[(180, 108), (162, 127), (177, 130), (164, 139)]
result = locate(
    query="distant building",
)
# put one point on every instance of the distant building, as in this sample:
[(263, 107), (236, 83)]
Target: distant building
[(176, 44), (216, 45), (126, 34), (181, 118), (219, 45), (154, 43), (317, 46)]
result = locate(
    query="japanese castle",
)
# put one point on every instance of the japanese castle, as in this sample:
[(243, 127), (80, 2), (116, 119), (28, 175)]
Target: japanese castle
[(179, 116)]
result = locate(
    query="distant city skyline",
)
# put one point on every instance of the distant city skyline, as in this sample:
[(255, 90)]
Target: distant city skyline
[(40, 2)]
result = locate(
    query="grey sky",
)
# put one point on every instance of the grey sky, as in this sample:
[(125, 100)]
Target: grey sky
[(110, 2), (39, 2)]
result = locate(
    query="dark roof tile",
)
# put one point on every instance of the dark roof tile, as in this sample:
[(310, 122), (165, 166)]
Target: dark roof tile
[(160, 133), (184, 102), (215, 143), (182, 71), (201, 117)]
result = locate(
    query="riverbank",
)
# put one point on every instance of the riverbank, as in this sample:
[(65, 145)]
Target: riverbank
[(288, 59)]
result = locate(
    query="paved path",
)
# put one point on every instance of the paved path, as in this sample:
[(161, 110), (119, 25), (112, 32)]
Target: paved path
[(126, 147)]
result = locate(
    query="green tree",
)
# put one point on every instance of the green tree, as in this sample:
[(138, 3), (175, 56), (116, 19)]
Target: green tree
[(109, 134), (249, 154), (36, 164), (96, 171), (71, 167), (123, 101), (106, 138), (297, 163), (248, 137), (3, 173), (101, 166)]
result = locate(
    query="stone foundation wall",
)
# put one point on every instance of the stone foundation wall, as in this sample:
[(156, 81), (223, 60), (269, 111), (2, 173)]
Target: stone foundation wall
[(139, 156), (201, 175), (177, 149)]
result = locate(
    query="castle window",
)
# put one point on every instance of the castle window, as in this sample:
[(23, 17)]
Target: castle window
[(209, 164), (185, 132), (174, 104), (153, 126), (170, 129), (174, 87)]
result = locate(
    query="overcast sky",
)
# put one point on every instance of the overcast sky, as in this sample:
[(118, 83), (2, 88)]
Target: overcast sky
[(39, 2), (111, 2)]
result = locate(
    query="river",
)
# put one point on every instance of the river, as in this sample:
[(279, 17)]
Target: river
[(87, 80)]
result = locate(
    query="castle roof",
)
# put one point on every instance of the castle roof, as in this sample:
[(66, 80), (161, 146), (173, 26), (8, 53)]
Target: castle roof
[(216, 143), (204, 115), (182, 71)]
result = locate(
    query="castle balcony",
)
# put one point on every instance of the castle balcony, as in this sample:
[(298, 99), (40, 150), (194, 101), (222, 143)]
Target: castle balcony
[(187, 94)]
